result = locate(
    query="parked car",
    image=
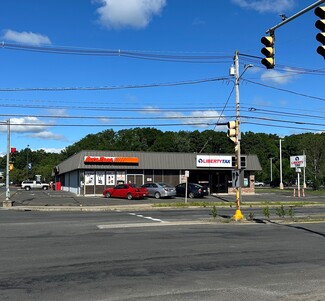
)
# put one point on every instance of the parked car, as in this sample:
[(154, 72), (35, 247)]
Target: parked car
[(32, 184), (128, 191), (259, 184), (193, 190), (160, 190)]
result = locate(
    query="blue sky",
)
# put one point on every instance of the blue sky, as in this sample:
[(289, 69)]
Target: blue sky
[(168, 67)]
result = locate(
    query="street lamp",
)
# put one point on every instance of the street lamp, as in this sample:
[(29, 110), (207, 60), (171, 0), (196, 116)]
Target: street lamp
[(271, 168)]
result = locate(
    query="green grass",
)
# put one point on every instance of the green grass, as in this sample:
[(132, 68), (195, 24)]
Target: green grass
[(232, 204), (289, 191)]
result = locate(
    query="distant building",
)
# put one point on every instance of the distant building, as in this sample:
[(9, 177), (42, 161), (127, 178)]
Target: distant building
[(90, 172)]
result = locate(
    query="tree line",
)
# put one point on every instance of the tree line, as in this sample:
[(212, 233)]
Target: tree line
[(265, 146)]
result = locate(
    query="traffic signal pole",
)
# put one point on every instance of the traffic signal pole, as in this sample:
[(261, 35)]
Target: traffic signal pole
[(234, 134), (238, 215), (317, 3)]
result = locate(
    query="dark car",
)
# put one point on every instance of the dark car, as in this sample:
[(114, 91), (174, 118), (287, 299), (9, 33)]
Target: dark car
[(193, 190)]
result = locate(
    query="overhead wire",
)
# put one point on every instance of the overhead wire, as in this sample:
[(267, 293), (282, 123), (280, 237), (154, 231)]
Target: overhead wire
[(174, 58), (119, 53), (189, 82)]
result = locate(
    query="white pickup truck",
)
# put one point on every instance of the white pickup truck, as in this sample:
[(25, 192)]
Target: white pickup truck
[(28, 185)]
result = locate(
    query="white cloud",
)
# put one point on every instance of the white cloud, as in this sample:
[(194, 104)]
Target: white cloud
[(197, 21), (58, 112), (31, 126), (28, 38), (277, 77), (47, 135), (262, 6), (128, 13), (150, 110), (207, 118), (24, 125)]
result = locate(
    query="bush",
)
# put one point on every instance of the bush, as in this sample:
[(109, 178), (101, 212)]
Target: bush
[(214, 212), (266, 212)]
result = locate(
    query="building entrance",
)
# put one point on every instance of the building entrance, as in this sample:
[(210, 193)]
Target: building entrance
[(216, 181)]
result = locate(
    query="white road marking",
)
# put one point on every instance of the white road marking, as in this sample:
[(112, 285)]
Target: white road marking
[(147, 217)]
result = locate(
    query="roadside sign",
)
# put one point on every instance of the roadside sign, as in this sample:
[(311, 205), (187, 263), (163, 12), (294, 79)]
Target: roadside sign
[(297, 161), (235, 178)]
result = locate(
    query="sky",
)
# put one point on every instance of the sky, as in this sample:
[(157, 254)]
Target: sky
[(79, 67)]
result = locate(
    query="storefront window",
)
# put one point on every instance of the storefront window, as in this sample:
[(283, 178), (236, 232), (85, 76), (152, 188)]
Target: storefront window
[(246, 179), (89, 177), (100, 178), (110, 178), (120, 177)]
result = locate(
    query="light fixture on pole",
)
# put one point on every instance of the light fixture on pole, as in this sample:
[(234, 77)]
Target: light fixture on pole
[(238, 215)]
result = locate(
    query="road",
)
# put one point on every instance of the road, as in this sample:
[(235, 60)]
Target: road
[(156, 255)]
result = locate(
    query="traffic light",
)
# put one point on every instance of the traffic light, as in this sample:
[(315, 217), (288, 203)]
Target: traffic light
[(320, 24), (268, 51), (233, 131), (13, 152)]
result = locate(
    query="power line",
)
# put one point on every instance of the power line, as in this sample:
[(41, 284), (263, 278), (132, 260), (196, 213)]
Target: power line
[(106, 108), (285, 90), (119, 53), (117, 117), (286, 126), (189, 82)]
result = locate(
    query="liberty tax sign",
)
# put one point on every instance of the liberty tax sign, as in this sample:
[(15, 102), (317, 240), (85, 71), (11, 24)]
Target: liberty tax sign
[(297, 161), (213, 161)]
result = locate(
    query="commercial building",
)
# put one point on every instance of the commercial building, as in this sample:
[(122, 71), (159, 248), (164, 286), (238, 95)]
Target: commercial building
[(90, 172)]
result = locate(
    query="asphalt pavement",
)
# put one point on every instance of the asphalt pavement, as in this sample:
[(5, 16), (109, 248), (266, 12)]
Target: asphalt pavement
[(67, 200)]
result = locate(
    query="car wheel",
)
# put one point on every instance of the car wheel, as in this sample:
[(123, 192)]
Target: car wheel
[(107, 195), (45, 188), (157, 195), (27, 188), (129, 196), (191, 195)]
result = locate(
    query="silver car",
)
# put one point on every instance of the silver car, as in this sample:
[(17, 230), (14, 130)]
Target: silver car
[(160, 190)]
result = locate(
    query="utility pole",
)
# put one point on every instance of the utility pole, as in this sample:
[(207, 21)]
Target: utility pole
[(238, 215), (281, 182), (7, 202)]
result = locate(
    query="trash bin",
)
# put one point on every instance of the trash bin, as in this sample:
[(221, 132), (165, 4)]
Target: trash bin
[(57, 185)]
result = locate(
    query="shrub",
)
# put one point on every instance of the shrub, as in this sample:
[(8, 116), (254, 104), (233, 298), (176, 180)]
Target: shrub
[(266, 212)]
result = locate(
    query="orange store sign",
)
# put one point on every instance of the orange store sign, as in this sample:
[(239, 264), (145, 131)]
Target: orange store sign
[(111, 160)]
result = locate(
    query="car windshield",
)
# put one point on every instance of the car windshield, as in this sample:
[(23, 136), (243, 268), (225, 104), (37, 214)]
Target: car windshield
[(134, 186), (196, 185), (164, 185)]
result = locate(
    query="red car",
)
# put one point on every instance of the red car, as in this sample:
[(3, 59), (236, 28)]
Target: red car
[(128, 191)]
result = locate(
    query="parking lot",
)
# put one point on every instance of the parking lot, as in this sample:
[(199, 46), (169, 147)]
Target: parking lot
[(21, 197)]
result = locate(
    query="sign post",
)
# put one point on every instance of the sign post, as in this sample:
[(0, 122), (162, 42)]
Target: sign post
[(187, 174)]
